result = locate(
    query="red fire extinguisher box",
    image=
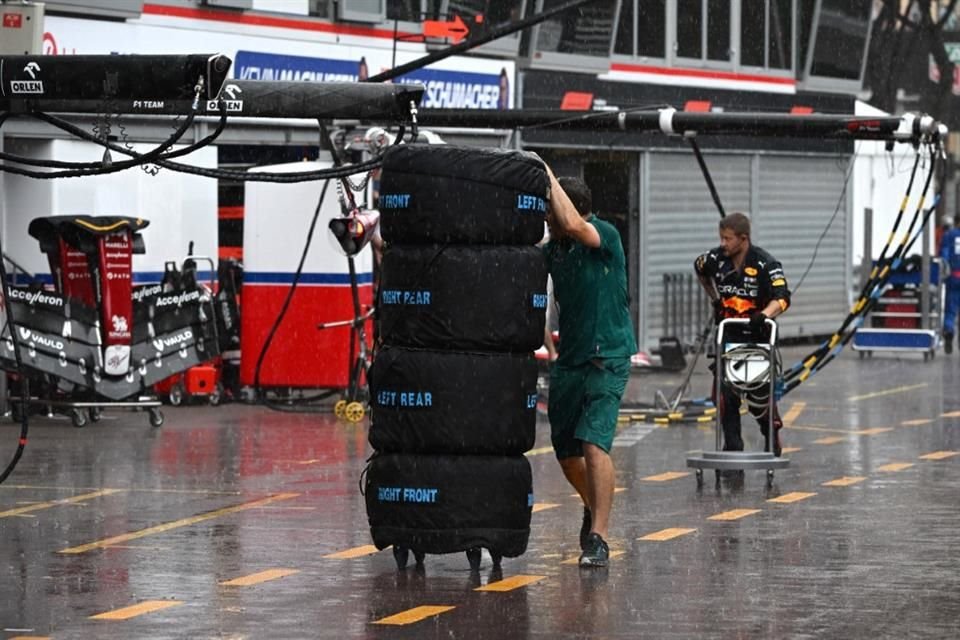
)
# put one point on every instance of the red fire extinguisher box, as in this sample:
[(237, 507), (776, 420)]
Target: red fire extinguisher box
[(276, 220)]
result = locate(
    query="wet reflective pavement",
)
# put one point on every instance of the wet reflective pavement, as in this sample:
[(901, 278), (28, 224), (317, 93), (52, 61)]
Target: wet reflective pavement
[(241, 522)]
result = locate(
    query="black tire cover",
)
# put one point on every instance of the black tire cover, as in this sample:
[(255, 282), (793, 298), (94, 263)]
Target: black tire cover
[(463, 298), (453, 402), (444, 504), (461, 195)]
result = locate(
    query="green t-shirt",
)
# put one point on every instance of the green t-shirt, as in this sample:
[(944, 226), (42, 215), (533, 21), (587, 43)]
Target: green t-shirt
[(590, 288)]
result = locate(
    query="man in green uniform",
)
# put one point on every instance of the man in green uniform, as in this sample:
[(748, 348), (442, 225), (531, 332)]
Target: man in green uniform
[(586, 261)]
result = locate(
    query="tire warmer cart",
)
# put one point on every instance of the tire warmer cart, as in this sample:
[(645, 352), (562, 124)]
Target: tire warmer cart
[(746, 368)]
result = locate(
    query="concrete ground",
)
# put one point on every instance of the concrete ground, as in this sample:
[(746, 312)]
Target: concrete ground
[(242, 522)]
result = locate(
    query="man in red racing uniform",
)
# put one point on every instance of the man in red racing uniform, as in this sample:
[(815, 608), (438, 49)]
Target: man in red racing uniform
[(744, 281)]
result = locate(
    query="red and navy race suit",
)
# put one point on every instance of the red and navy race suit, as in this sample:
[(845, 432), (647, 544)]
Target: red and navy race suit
[(742, 293)]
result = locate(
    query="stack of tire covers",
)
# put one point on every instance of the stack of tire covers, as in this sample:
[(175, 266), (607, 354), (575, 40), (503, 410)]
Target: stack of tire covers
[(454, 386)]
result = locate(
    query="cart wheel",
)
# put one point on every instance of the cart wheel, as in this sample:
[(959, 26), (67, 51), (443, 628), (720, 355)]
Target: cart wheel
[(95, 414), (176, 395), (769, 478), (418, 556), (216, 396), (497, 558), (716, 473), (401, 555), (862, 355), (354, 412), (78, 417), (473, 557), (338, 409), (926, 356), (699, 474), (156, 417)]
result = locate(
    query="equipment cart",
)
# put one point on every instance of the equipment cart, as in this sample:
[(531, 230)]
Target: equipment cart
[(750, 368), (898, 321)]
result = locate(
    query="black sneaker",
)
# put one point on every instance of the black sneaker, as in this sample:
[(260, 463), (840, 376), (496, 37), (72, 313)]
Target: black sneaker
[(596, 553), (585, 527)]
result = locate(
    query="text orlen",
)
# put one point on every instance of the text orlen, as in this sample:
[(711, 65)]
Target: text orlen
[(400, 296), (416, 495), (389, 398)]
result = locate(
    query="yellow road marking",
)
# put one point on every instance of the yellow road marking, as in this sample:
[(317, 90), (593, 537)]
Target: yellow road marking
[(160, 528), (917, 422), (540, 451), (666, 534), (829, 440), (257, 578), (414, 615), (576, 559), (939, 455), (619, 489), (845, 481), (669, 475), (37, 506), (734, 514), (793, 413), (818, 428), (951, 414), (795, 496), (791, 449), (147, 606), (129, 489), (509, 584), (887, 392), (356, 552), (30, 638), (895, 466), (873, 432), (543, 506)]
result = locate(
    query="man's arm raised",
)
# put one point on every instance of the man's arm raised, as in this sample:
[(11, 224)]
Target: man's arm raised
[(566, 217)]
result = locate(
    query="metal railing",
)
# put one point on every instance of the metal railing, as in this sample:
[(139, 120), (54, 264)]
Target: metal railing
[(686, 308), (17, 270)]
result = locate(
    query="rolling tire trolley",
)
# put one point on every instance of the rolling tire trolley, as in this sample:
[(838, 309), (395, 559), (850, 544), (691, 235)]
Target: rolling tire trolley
[(746, 367)]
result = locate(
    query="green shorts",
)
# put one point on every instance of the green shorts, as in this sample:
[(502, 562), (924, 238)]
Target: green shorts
[(584, 404)]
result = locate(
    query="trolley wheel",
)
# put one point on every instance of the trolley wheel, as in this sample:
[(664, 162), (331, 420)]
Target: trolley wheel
[(156, 417), (699, 474), (78, 418), (216, 396), (354, 412), (95, 414), (418, 556), (338, 409), (401, 555), (862, 354), (769, 478), (716, 473), (926, 356), (176, 395)]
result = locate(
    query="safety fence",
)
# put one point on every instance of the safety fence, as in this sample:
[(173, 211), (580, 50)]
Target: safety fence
[(686, 308)]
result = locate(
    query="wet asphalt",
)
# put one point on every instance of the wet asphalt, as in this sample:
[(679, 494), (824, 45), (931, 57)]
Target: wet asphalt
[(242, 522)]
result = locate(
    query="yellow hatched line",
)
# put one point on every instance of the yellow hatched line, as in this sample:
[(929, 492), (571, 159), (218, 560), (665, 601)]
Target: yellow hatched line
[(791, 449), (887, 392), (161, 528), (793, 413), (895, 466), (916, 423), (45, 487), (950, 414), (356, 552), (509, 584), (814, 427), (54, 503), (734, 514), (30, 638), (664, 477), (666, 534), (795, 496), (829, 440), (939, 455), (543, 506), (414, 615), (257, 578), (147, 606), (845, 481), (576, 559), (538, 452), (873, 432)]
